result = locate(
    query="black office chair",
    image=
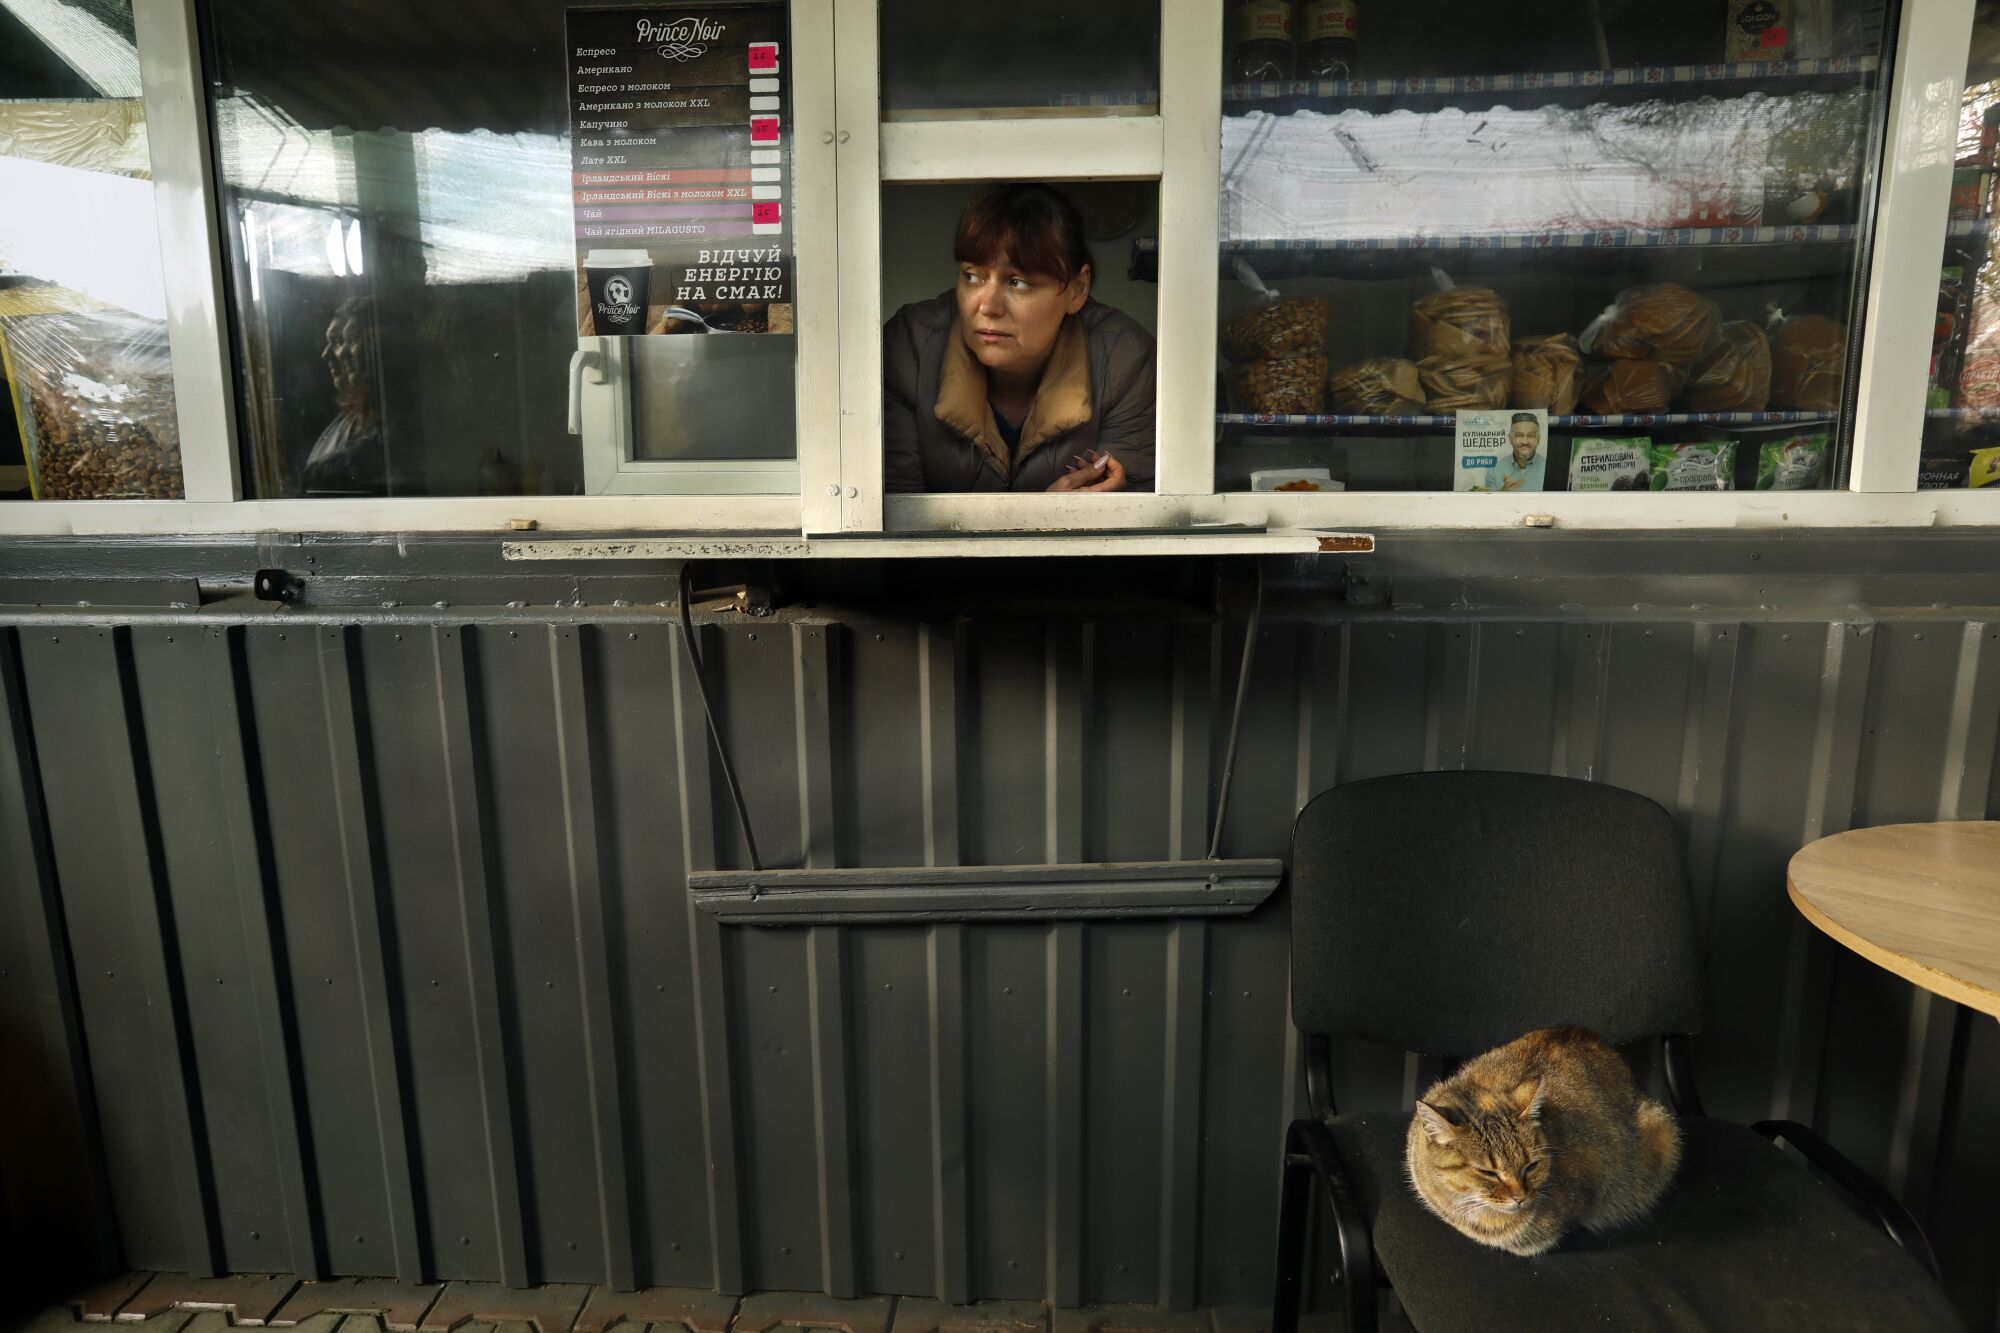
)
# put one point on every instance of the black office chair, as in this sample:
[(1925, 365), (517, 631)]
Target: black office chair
[(1447, 913)]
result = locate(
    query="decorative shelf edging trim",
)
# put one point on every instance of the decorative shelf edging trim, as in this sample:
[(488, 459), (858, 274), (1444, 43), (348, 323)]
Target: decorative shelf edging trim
[(922, 894)]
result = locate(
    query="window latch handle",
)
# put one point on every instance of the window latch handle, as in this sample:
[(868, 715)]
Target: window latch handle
[(580, 360)]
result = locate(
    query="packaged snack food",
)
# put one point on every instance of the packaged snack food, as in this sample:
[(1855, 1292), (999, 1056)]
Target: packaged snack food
[(1979, 375), (94, 399), (1698, 465), (1984, 468), (1503, 451), (1808, 362), (1597, 464), (1947, 336), (1294, 480), (1545, 373), (1663, 322), (1795, 463), (1944, 472), (1379, 386), (1452, 383), (1736, 374), (1758, 30), (1458, 322), (1614, 387), (1285, 385), (1277, 328)]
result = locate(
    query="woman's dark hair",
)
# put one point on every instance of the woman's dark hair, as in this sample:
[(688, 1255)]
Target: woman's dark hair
[(1034, 225)]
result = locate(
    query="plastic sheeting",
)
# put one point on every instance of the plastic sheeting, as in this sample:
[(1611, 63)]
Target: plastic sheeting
[(1357, 174), (107, 136)]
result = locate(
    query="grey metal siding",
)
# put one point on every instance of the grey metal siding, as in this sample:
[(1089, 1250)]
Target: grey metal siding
[(368, 945)]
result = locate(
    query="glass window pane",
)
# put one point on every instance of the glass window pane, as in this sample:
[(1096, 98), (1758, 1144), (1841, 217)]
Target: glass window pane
[(88, 379), (413, 233), (1962, 416), (1544, 246), (1036, 57), (1006, 374)]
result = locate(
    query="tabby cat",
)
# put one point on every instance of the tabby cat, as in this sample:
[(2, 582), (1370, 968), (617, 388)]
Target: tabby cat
[(1538, 1136)]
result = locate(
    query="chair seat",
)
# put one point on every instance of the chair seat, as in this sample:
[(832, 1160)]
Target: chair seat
[(1746, 1238)]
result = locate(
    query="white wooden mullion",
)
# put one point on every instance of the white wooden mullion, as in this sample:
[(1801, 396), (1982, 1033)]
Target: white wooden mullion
[(817, 262), (191, 249), (859, 154), (1911, 216), (1190, 187)]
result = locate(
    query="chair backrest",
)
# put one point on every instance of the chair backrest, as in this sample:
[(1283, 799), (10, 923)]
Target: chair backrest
[(1450, 912)]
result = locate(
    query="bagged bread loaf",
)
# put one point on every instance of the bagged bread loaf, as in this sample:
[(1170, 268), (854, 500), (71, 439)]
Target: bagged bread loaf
[(1458, 322), (1545, 374), (1454, 383), (1736, 374), (1379, 386), (1808, 363), (1614, 387), (1284, 385), (1278, 328), (1664, 322)]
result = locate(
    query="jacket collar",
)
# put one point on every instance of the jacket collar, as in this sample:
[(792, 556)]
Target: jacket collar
[(1062, 399)]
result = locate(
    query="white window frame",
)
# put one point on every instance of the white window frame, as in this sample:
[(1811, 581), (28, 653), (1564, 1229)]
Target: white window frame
[(845, 152)]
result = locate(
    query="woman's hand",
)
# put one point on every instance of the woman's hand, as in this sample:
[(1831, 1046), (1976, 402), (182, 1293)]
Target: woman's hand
[(1093, 472)]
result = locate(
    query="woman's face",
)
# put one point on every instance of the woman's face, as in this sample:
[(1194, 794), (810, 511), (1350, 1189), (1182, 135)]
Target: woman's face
[(1010, 318)]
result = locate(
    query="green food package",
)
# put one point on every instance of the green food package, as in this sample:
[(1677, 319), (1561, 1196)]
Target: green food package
[(1795, 463), (1597, 464), (1698, 465)]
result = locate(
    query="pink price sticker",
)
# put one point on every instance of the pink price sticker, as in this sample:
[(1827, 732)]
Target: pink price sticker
[(763, 129), (763, 56), (767, 213)]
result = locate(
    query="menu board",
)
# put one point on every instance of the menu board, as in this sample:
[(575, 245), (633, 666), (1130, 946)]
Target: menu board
[(680, 160)]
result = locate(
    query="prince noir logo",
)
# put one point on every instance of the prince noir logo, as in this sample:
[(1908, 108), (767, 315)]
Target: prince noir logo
[(681, 39)]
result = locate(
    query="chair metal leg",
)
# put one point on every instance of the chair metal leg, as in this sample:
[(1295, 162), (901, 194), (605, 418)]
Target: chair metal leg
[(1294, 1207), (1309, 1153)]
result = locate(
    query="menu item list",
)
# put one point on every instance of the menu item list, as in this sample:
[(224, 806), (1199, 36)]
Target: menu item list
[(680, 154)]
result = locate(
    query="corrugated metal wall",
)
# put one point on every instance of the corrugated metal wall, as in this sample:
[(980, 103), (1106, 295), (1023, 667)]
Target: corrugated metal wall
[(360, 943)]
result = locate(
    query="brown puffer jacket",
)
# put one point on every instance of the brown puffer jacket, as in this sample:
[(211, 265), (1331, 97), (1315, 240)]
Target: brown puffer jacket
[(938, 430)]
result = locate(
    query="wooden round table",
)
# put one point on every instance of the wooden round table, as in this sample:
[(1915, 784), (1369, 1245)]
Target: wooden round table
[(1922, 900)]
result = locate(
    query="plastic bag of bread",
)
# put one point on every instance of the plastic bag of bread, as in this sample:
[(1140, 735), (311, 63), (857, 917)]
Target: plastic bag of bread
[(1458, 322), (1284, 385), (1545, 374), (1380, 386), (1808, 362), (1735, 376), (1453, 383), (93, 397), (1664, 322), (1614, 387), (1273, 329)]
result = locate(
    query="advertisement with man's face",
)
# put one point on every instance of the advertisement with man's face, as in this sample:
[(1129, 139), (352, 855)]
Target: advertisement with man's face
[(1501, 450)]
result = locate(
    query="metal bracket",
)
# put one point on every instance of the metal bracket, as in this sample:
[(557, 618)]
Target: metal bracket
[(278, 585)]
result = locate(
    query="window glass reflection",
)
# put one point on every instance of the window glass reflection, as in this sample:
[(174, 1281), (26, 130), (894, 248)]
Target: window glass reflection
[(1961, 445), (398, 186), (1641, 233), (1029, 58)]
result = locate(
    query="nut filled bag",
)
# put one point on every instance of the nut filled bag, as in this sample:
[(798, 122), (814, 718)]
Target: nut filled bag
[(94, 398)]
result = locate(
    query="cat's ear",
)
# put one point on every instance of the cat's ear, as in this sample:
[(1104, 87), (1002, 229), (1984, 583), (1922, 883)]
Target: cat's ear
[(1440, 1122), (1527, 1099)]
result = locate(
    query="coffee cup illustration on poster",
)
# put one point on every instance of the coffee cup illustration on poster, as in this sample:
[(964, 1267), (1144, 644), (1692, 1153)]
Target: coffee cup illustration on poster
[(680, 159)]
